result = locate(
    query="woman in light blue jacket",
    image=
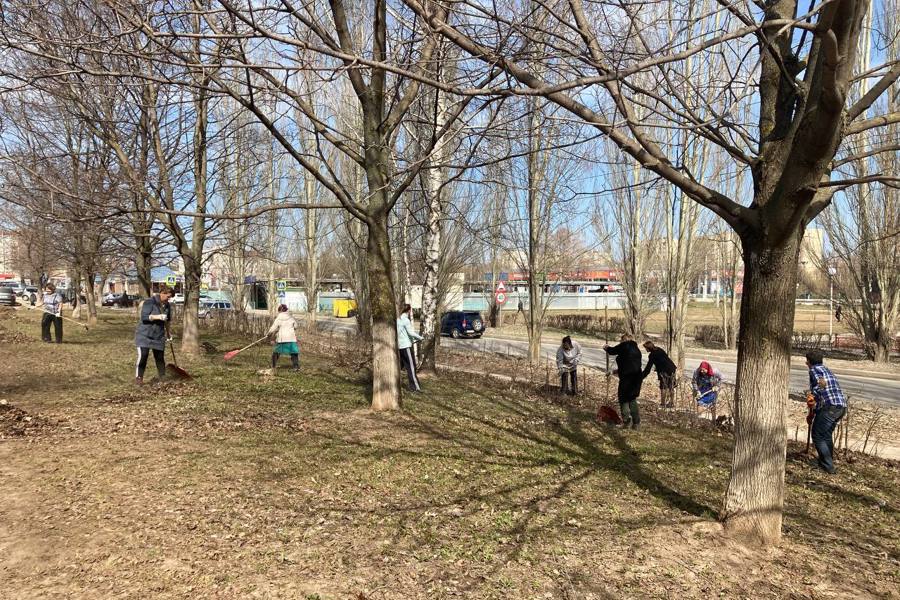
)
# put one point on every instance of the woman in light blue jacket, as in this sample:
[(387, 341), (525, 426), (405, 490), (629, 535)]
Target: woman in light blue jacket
[(405, 338)]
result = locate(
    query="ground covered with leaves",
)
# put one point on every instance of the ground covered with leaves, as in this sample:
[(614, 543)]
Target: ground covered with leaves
[(242, 485)]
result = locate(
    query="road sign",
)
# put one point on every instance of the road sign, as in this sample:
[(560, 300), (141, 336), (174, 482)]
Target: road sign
[(501, 297), (281, 285), (500, 287), (171, 280)]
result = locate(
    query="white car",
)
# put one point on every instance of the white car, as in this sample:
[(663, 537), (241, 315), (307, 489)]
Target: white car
[(178, 299)]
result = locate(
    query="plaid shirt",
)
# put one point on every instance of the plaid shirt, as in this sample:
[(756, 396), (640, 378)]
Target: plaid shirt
[(831, 394)]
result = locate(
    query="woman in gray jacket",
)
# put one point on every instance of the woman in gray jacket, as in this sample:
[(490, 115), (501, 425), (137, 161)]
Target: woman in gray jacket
[(153, 332)]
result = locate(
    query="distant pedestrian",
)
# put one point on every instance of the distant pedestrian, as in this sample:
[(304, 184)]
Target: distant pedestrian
[(406, 336), (837, 313), (830, 408), (51, 304), (628, 363), (568, 356), (152, 333), (705, 384), (285, 329), (666, 372)]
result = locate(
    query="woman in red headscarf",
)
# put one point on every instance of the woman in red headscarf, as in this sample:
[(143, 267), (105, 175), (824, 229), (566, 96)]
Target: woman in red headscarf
[(705, 383)]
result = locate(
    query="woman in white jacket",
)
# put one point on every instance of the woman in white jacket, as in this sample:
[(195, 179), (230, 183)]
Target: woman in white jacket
[(285, 332)]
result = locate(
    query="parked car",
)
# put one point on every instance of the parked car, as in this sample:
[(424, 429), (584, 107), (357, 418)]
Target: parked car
[(7, 295), (119, 300), (177, 299), (208, 308), (459, 323)]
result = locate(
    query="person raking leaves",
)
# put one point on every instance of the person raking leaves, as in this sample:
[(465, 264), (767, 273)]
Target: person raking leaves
[(152, 333), (406, 336), (567, 358), (51, 304), (829, 405), (705, 383), (285, 329), (666, 372), (628, 361)]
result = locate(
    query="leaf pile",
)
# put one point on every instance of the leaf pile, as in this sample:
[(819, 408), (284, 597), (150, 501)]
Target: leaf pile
[(15, 422)]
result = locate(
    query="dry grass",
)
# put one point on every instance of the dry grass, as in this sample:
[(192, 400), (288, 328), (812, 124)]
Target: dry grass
[(236, 486)]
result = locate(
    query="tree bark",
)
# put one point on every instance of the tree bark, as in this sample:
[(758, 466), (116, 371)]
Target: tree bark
[(432, 263), (143, 261), (385, 368), (190, 322), (755, 494), (90, 298)]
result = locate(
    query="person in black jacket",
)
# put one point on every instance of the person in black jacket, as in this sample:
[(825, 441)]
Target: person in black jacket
[(665, 372), (152, 333), (628, 361)]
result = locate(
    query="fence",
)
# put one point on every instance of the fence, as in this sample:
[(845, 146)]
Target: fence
[(554, 301)]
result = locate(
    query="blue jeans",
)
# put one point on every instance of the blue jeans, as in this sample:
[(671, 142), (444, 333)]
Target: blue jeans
[(823, 425)]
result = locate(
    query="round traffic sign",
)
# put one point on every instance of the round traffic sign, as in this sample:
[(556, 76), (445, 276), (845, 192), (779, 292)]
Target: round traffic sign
[(501, 298)]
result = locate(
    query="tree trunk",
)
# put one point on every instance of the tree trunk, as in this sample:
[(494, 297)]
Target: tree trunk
[(310, 232), (755, 495), (535, 316), (143, 258), (430, 283), (190, 322), (433, 182), (385, 368), (75, 287), (90, 299)]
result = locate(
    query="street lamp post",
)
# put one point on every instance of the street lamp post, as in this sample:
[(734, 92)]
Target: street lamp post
[(831, 273)]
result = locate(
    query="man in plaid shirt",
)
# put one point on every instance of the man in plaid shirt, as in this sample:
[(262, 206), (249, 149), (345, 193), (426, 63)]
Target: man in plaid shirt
[(830, 408)]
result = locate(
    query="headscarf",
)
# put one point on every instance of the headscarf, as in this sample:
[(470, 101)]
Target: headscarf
[(705, 368)]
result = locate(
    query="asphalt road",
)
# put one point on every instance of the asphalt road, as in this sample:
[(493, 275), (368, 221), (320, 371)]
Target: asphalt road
[(881, 390)]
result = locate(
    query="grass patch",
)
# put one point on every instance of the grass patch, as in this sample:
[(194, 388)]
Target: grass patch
[(238, 485)]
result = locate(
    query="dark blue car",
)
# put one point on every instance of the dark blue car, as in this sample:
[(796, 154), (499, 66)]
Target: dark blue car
[(459, 323)]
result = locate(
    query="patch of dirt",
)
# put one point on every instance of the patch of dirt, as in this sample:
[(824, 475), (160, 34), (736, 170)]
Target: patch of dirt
[(15, 422)]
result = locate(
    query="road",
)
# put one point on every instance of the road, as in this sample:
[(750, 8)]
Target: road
[(881, 390)]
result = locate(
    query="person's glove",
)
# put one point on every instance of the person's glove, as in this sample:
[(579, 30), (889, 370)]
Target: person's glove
[(810, 400), (158, 317)]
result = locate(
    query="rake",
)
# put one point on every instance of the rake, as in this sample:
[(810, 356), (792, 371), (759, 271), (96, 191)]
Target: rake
[(233, 353), (61, 317), (173, 371)]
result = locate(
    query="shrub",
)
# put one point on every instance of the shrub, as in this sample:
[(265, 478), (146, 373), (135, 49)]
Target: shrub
[(709, 335)]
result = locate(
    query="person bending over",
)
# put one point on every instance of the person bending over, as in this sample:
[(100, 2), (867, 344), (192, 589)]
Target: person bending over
[(628, 363), (285, 329), (830, 408), (666, 372)]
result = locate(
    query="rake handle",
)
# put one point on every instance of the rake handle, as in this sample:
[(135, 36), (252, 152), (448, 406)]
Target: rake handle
[(234, 353)]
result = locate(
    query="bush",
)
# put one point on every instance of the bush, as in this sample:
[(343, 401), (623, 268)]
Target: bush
[(587, 325), (709, 335)]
